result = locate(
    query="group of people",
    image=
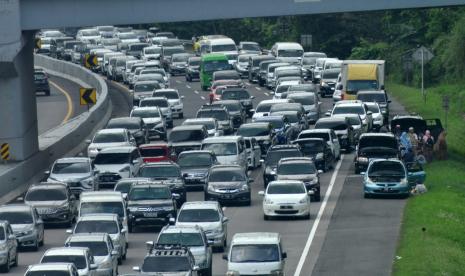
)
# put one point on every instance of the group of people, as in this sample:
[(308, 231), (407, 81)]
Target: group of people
[(423, 147)]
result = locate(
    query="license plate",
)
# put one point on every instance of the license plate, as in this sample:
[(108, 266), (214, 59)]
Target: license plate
[(150, 215), (286, 207), (108, 178), (227, 196)]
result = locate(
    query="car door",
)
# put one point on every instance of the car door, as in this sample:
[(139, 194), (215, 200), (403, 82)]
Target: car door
[(114, 258), (415, 173)]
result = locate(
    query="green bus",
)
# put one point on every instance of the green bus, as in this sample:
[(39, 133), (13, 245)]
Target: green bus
[(210, 63)]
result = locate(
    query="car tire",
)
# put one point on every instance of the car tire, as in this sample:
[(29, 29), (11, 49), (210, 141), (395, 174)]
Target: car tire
[(365, 195), (265, 217), (15, 264), (357, 170), (41, 243), (35, 248), (316, 197), (130, 228), (181, 115)]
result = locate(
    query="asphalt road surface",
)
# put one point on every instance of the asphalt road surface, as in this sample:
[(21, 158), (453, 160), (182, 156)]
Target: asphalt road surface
[(60, 106), (346, 235)]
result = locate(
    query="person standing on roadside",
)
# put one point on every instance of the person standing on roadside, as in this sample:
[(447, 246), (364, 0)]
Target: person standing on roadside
[(413, 137), (428, 144), (211, 97)]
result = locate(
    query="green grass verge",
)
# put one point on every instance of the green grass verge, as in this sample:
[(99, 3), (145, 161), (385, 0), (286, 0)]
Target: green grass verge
[(440, 250), (413, 101)]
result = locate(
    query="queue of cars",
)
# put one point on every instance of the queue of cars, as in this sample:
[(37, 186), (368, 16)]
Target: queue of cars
[(140, 168)]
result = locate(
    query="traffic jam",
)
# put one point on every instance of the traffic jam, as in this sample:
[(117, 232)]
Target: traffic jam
[(139, 173)]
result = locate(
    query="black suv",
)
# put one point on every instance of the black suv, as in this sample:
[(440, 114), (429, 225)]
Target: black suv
[(241, 95), (166, 173), (319, 151), (41, 81), (274, 154), (167, 260), (150, 205), (375, 145), (183, 138), (193, 67)]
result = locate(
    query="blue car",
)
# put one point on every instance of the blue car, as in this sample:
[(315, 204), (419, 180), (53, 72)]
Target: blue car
[(391, 177)]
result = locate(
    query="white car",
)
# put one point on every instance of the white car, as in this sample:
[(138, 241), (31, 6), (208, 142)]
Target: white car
[(254, 152), (283, 86), (353, 107), (108, 138), (263, 108), (210, 123), (328, 135), (79, 256), (174, 99), (286, 198), (378, 118), (151, 53)]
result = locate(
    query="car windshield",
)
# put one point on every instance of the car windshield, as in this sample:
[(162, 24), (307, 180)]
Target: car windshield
[(216, 65), (16, 217), (334, 125), (231, 107), (354, 121), (372, 97), (374, 141), (226, 176), (127, 125), (150, 152), (185, 239), (235, 95), (167, 94), (250, 47), (223, 48), (177, 136), (46, 195), (195, 160), (96, 226), (180, 58), (374, 108), (273, 157), (91, 33), (304, 88), (264, 107), (221, 149), (78, 260), (254, 131), (324, 136), (114, 207), (111, 158), (349, 110), (290, 53), (150, 102), (303, 100), (208, 124), (166, 264), (159, 171), (39, 76), (360, 85), (220, 115), (287, 73), (281, 88), (198, 215), (70, 45), (167, 52), (96, 248), (137, 47), (311, 147), (275, 123), (309, 60), (127, 36), (226, 76), (394, 169), (48, 273), (149, 193), (109, 138), (330, 74), (147, 113), (296, 168), (286, 188), (152, 51), (292, 117), (71, 168), (254, 253)]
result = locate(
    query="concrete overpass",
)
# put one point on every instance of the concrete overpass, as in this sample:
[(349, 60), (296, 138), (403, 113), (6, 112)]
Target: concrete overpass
[(20, 18)]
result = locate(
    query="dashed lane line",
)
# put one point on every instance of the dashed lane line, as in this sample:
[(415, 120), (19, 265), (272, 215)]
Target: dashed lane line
[(202, 97), (266, 93), (188, 86), (258, 88), (196, 92)]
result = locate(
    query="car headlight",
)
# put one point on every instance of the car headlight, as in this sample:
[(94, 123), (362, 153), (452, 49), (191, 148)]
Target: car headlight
[(368, 181), (277, 272), (125, 169), (244, 188), (168, 208), (132, 209), (27, 232), (160, 125), (93, 150), (3, 247), (362, 159), (303, 200), (63, 208), (273, 172), (268, 201), (88, 181), (210, 188), (312, 181), (319, 156)]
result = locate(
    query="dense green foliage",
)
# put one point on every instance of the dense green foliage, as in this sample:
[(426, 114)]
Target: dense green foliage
[(389, 35)]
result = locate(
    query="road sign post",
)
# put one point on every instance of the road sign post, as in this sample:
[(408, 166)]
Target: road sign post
[(422, 55), (87, 96), (5, 152), (90, 61)]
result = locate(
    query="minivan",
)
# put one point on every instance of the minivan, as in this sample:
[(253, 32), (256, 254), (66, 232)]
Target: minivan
[(229, 150)]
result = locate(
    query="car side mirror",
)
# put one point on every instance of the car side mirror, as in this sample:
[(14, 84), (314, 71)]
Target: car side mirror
[(136, 268), (225, 257), (369, 113), (362, 173), (69, 231), (172, 221), (182, 97), (88, 141), (261, 193), (320, 171), (250, 180), (196, 268), (340, 87), (149, 245), (389, 101), (328, 114), (310, 193), (47, 173), (72, 197), (176, 196), (40, 221), (252, 97), (12, 237), (225, 219), (96, 171), (252, 110)]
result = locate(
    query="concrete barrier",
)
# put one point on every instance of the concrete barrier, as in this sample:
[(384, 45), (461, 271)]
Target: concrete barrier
[(63, 140)]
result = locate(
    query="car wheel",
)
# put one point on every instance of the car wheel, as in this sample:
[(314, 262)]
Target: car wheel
[(265, 217), (365, 195), (15, 264), (130, 228), (36, 246), (181, 115), (41, 243)]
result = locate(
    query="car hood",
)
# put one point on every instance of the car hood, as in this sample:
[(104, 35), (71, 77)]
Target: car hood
[(196, 144), (21, 227), (258, 268), (302, 177), (68, 177), (45, 204), (153, 203), (195, 170), (226, 159), (100, 259)]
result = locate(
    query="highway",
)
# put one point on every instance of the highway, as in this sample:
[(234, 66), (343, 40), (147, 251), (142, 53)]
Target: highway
[(60, 106), (346, 235)]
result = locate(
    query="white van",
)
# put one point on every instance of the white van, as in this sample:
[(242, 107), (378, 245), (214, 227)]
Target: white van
[(229, 150), (224, 45), (104, 202), (256, 254), (291, 52)]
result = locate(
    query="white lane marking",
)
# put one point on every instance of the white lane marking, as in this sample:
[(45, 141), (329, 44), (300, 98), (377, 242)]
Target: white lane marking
[(196, 92), (202, 97), (258, 88), (188, 86), (266, 93), (311, 236)]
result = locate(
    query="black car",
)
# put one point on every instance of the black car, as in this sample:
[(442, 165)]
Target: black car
[(41, 82), (342, 128), (235, 109), (274, 154), (242, 95), (379, 97), (195, 165), (228, 184), (328, 82), (187, 137), (375, 145), (254, 63), (192, 70), (135, 125), (319, 151), (150, 205), (167, 173), (178, 63), (263, 70)]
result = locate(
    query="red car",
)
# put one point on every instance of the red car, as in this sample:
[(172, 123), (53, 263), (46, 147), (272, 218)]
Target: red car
[(152, 153)]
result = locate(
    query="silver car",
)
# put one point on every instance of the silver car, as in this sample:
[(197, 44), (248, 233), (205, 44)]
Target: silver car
[(101, 247), (194, 238), (27, 226), (63, 269), (81, 257), (208, 215), (8, 247), (104, 223), (75, 171), (109, 138)]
